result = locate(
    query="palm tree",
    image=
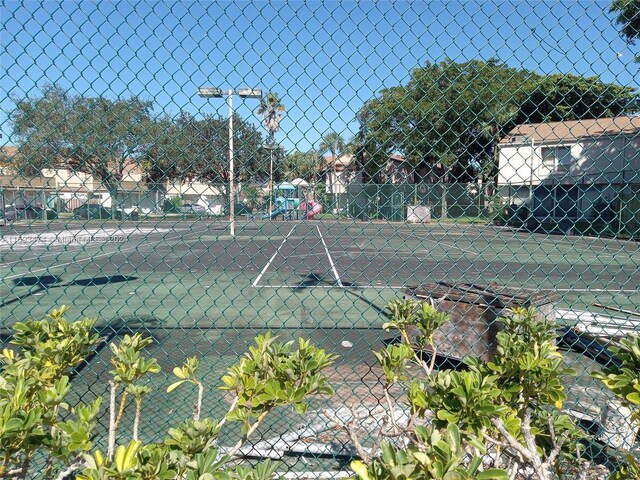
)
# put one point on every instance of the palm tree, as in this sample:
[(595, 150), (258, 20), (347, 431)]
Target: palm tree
[(333, 143), (271, 109), (303, 165)]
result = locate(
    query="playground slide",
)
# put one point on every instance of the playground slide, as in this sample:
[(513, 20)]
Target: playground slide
[(274, 213), (315, 208)]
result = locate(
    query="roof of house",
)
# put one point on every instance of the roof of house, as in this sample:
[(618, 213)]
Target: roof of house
[(553, 132), (9, 150), (131, 166), (341, 160)]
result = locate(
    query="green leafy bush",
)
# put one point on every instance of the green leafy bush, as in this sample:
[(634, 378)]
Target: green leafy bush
[(483, 422), (172, 205), (493, 420), (34, 381), (624, 381)]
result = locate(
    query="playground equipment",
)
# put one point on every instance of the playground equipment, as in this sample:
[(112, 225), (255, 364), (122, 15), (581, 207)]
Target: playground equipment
[(285, 201), (307, 208), (310, 209), (291, 200)]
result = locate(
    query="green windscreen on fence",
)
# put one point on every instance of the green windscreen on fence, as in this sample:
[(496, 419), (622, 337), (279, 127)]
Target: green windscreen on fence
[(204, 172)]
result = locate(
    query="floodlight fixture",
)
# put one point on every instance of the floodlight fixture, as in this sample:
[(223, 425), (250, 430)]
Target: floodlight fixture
[(210, 92), (249, 92), (213, 92)]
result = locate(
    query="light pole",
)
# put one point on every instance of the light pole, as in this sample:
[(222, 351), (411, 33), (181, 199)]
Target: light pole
[(271, 147), (211, 92)]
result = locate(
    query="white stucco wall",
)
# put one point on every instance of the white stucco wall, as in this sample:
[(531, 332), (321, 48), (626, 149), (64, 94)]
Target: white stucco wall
[(67, 180), (516, 164), (193, 189), (612, 160), (596, 160)]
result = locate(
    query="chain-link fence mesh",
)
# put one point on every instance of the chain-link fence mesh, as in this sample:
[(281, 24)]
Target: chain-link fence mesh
[(203, 172)]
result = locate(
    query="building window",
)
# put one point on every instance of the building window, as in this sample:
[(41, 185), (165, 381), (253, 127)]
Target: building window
[(557, 159), (557, 202)]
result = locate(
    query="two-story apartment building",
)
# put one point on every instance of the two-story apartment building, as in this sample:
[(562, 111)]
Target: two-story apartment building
[(584, 170), (338, 173)]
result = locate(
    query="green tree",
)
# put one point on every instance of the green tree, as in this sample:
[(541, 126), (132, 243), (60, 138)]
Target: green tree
[(443, 117), (271, 108), (167, 152), (560, 97), (448, 117), (333, 143), (13, 163), (358, 147), (302, 165), (97, 136), (628, 16), (189, 149)]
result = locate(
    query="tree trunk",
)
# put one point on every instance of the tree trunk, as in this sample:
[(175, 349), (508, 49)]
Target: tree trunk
[(443, 195), (159, 190), (113, 193), (489, 188)]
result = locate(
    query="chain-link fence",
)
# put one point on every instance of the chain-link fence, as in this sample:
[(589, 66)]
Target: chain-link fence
[(203, 172)]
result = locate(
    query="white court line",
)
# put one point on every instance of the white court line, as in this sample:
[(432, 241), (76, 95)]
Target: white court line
[(597, 290), (90, 246), (98, 246), (329, 287), (52, 267), (402, 287), (85, 248), (284, 240), (80, 260), (430, 234), (462, 250), (333, 267), (539, 243)]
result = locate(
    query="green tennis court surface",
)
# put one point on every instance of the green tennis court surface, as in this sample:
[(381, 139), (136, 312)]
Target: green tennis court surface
[(198, 291), (290, 274)]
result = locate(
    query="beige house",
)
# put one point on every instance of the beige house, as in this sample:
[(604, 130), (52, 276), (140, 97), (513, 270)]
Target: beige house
[(576, 170), (198, 193), (69, 189), (339, 174), (397, 170)]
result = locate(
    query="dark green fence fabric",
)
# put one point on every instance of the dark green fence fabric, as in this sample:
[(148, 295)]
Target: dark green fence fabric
[(203, 172)]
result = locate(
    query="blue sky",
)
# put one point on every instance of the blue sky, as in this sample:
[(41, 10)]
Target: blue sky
[(325, 59)]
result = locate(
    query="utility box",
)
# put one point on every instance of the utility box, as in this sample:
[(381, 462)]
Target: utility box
[(418, 214), (474, 310)]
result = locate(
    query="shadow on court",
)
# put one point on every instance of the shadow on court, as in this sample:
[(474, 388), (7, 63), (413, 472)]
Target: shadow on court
[(47, 282), (315, 280)]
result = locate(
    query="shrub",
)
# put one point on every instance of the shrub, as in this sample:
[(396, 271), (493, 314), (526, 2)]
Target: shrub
[(34, 381), (488, 421), (172, 205), (493, 420), (623, 380)]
